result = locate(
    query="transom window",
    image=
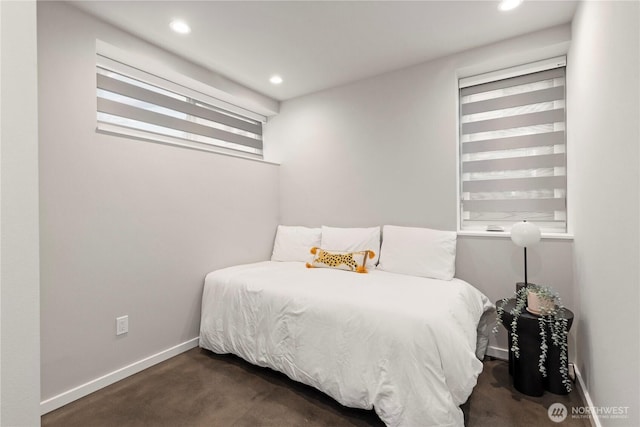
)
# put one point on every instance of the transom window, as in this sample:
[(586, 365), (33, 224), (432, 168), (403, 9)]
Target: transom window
[(135, 103)]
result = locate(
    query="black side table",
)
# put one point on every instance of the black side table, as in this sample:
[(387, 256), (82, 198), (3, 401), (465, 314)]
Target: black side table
[(527, 377)]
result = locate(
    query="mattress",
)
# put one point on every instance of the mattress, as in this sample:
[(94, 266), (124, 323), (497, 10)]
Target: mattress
[(403, 345)]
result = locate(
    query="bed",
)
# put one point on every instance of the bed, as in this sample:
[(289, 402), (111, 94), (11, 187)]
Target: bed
[(407, 346)]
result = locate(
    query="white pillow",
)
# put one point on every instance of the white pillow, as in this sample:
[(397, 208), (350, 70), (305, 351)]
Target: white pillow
[(419, 252), (352, 240), (294, 243)]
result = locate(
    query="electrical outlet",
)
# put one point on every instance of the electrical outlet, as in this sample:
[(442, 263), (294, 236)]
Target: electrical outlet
[(122, 325)]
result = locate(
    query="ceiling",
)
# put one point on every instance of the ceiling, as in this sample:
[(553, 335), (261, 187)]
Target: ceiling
[(315, 45)]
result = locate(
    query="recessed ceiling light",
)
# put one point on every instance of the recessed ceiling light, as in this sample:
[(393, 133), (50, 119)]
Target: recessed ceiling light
[(509, 4), (276, 80), (180, 27)]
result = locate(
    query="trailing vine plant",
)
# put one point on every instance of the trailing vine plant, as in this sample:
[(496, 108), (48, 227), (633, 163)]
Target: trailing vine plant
[(552, 319)]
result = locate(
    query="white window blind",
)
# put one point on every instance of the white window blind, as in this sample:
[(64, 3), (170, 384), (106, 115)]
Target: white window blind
[(513, 152), (134, 103)]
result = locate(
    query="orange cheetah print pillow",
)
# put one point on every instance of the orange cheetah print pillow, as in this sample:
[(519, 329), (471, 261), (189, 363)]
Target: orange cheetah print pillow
[(349, 261)]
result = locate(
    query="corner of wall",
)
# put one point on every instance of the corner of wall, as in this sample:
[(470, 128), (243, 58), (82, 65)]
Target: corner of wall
[(19, 252)]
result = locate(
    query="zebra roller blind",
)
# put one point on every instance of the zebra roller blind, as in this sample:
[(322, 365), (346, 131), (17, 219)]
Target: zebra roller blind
[(513, 152), (142, 105)]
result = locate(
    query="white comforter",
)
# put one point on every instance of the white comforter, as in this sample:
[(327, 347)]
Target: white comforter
[(403, 345)]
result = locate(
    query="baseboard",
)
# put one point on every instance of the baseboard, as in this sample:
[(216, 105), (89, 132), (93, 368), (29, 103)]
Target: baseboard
[(586, 397), (115, 376), (497, 352)]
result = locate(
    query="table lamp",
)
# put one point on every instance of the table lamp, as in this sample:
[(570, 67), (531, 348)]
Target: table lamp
[(525, 234)]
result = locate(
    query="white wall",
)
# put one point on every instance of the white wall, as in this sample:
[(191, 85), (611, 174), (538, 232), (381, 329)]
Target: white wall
[(383, 151), (603, 137), (19, 287), (127, 227)]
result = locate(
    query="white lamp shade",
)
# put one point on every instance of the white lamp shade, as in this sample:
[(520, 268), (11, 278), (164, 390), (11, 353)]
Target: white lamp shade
[(525, 234)]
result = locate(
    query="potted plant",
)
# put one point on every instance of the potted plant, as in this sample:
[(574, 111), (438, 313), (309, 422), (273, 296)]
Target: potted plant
[(541, 300), (545, 303)]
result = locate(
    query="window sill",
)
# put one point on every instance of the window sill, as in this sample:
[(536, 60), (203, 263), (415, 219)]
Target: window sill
[(107, 129), (506, 234)]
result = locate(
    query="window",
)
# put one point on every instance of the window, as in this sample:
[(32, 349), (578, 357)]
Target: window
[(513, 149), (134, 103)]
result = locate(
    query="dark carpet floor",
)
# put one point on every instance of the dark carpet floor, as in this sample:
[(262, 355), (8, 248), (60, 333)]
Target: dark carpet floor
[(199, 388)]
